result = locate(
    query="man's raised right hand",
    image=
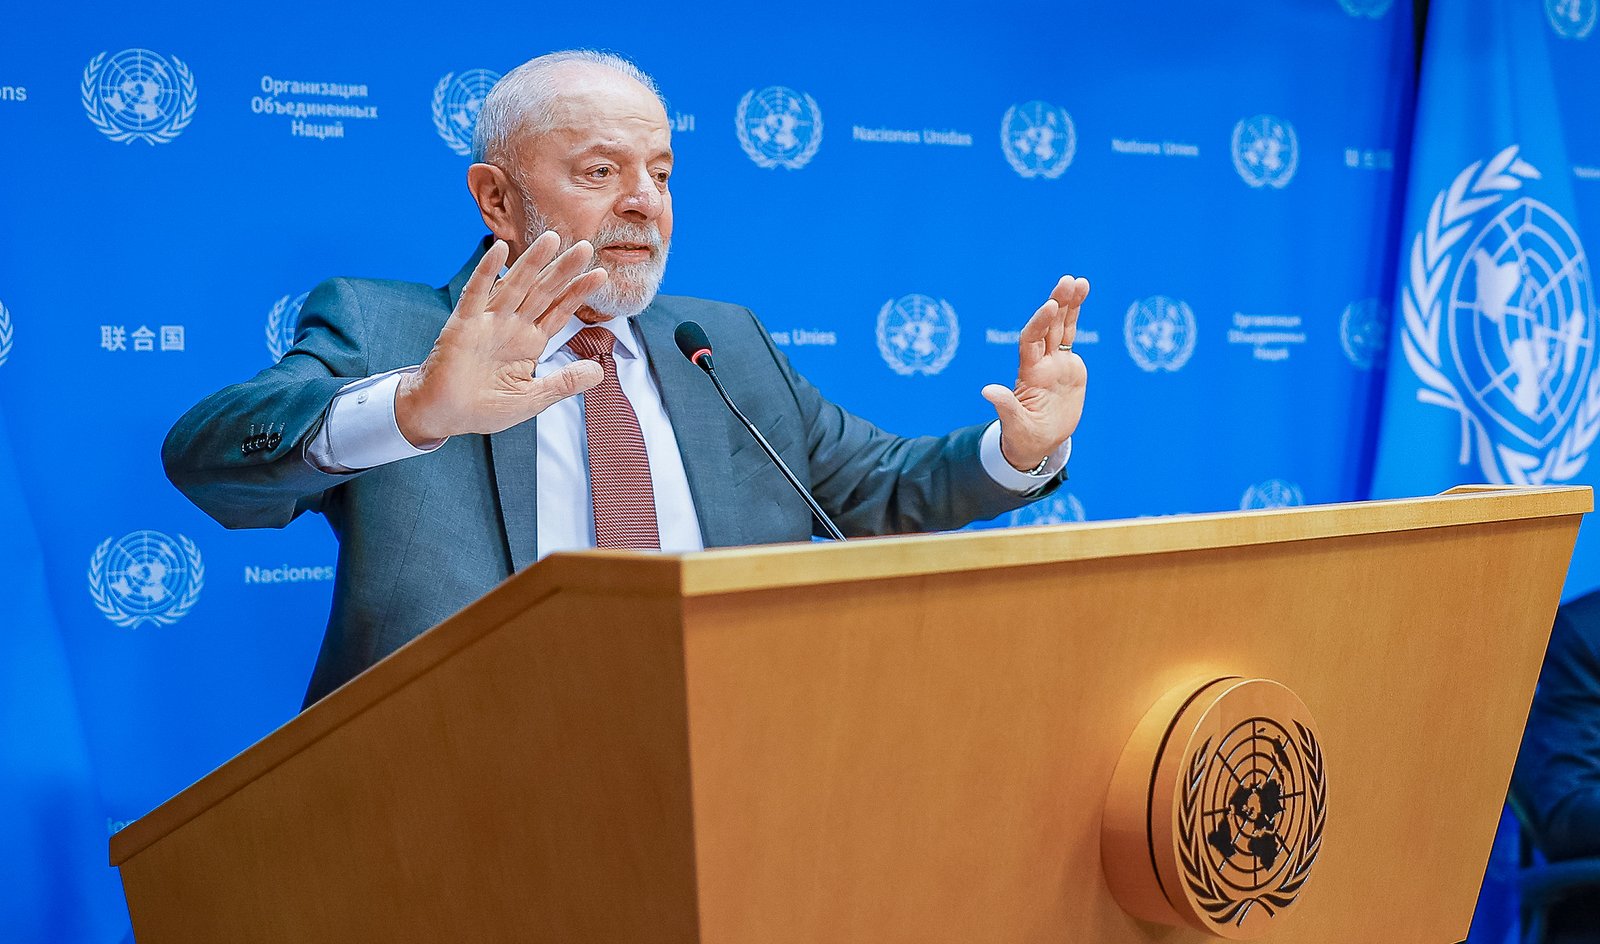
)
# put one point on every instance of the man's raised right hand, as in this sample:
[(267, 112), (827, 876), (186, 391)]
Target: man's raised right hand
[(479, 376)]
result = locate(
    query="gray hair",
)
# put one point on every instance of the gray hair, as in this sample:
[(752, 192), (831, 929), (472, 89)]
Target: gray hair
[(521, 100)]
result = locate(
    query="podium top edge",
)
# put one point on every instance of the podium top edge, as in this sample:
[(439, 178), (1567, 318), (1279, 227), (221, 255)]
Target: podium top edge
[(732, 570)]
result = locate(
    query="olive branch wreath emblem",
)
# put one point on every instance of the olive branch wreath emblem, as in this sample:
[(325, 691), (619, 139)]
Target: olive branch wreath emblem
[(277, 345), (7, 334), (892, 357), (101, 118), (762, 159), (1048, 172), (108, 606), (1201, 879), (441, 123), (1477, 188)]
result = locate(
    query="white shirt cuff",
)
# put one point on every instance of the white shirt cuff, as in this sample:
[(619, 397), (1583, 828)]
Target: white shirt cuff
[(1023, 483), (359, 430)]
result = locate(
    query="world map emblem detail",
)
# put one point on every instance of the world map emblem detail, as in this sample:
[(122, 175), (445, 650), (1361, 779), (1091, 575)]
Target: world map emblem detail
[(917, 334), (1266, 151), (1571, 19), (778, 127), (1500, 325), (145, 577), (1160, 333), (138, 95), (1038, 139), (1224, 791)]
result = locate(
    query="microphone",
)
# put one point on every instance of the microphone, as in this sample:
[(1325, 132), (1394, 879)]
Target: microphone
[(694, 344)]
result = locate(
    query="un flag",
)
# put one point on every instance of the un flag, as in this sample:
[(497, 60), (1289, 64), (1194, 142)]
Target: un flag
[(1494, 364)]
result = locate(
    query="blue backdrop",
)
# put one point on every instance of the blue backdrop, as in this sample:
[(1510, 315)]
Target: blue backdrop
[(892, 190)]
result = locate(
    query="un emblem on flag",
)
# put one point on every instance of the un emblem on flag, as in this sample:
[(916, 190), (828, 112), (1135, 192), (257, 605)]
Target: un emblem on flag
[(778, 127), (457, 99), (1500, 325), (1571, 19), (1265, 151), (281, 322), (1160, 333), (1038, 139), (145, 577), (917, 334), (138, 95)]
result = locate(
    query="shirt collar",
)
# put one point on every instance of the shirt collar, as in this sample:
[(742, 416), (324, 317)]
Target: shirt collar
[(627, 340)]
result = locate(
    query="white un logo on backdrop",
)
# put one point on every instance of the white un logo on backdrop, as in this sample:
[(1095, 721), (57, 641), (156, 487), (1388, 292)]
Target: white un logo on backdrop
[(778, 127), (457, 99), (1060, 508), (6, 334), (1502, 330), (145, 577), (1364, 332), (281, 321), (1571, 19), (138, 95), (1265, 151), (1374, 9), (1038, 139), (1160, 333), (1273, 493), (917, 334)]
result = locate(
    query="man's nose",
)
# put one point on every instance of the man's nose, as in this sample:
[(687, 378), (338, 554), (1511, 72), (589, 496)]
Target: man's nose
[(641, 203)]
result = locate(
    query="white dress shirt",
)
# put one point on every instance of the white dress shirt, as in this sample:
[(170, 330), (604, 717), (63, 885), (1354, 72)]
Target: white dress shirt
[(360, 432)]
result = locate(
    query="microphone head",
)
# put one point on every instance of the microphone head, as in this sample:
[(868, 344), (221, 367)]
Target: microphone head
[(694, 344)]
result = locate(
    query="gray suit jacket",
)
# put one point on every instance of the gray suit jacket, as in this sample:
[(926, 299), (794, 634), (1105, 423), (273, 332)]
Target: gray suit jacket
[(423, 537)]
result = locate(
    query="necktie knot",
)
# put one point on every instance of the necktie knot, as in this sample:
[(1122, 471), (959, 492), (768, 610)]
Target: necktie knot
[(593, 344)]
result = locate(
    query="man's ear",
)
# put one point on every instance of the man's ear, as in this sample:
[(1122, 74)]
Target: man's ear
[(499, 201)]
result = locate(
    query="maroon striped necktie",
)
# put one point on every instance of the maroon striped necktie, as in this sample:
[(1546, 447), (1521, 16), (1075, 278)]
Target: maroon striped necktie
[(620, 488)]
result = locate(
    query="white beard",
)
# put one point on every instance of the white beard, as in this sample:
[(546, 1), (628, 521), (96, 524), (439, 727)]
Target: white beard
[(629, 289)]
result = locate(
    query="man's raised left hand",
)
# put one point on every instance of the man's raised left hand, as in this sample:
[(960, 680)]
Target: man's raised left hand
[(1042, 410)]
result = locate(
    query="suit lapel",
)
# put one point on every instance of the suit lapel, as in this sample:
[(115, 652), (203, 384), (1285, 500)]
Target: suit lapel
[(513, 453), (699, 423)]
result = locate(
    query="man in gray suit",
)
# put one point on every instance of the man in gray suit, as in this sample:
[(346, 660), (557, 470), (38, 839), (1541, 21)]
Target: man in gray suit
[(405, 414)]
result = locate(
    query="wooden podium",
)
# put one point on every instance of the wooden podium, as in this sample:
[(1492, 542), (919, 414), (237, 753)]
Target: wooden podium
[(906, 739)]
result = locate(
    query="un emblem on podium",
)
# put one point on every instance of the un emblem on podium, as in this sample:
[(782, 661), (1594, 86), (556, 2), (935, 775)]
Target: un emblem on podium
[(1265, 151), (1038, 139), (778, 127), (1217, 809), (1571, 19), (282, 320), (457, 99), (138, 95), (917, 334), (1160, 333), (145, 577), (1500, 325)]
